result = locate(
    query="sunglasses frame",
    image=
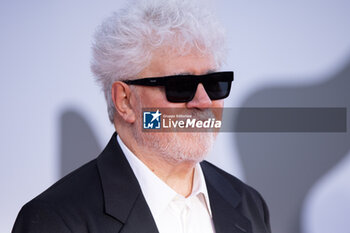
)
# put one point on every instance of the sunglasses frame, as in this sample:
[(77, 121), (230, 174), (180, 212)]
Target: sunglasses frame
[(226, 76)]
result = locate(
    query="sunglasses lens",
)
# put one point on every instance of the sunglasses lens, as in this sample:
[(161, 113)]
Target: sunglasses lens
[(180, 90), (217, 89)]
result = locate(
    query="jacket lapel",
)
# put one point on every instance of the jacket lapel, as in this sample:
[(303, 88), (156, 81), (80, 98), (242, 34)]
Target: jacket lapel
[(224, 200), (123, 198)]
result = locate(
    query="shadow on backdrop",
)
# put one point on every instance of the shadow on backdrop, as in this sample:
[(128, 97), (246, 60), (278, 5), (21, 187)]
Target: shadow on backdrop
[(78, 143), (284, 166)]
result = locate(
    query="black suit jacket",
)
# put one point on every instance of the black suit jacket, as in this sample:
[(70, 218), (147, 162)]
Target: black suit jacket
[(104, 196)]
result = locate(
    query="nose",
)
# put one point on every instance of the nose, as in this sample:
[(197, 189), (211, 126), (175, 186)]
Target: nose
[(201, 99)]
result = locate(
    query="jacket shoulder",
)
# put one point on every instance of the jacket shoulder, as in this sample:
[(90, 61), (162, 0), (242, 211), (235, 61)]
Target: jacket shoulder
[(75, 197), (77, 185)]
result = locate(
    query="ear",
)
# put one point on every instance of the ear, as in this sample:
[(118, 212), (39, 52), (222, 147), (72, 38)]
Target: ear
[(121, 94)]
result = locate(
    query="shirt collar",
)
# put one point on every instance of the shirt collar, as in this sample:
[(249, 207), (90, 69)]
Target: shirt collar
[(200, 188), (149, 182)]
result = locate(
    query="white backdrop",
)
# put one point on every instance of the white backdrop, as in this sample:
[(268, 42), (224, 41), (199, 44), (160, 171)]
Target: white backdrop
[(44, 69)]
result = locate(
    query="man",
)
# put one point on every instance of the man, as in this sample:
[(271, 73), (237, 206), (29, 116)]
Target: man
[(164, 54)]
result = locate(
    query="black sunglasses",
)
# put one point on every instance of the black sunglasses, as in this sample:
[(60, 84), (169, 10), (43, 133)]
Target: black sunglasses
[(182, 88)]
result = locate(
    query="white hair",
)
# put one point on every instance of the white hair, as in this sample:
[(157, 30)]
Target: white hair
[(125, 41)]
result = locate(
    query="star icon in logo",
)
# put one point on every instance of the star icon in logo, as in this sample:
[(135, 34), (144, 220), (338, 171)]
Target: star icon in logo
[(155, 115)]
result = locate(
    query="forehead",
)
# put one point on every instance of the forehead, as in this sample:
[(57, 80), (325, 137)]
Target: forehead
[(165, 62)]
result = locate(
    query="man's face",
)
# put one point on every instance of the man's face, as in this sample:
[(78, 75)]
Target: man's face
[(176, 147)]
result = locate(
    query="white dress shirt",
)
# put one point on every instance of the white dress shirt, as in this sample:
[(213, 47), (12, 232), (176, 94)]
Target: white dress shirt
[(172, 212)]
